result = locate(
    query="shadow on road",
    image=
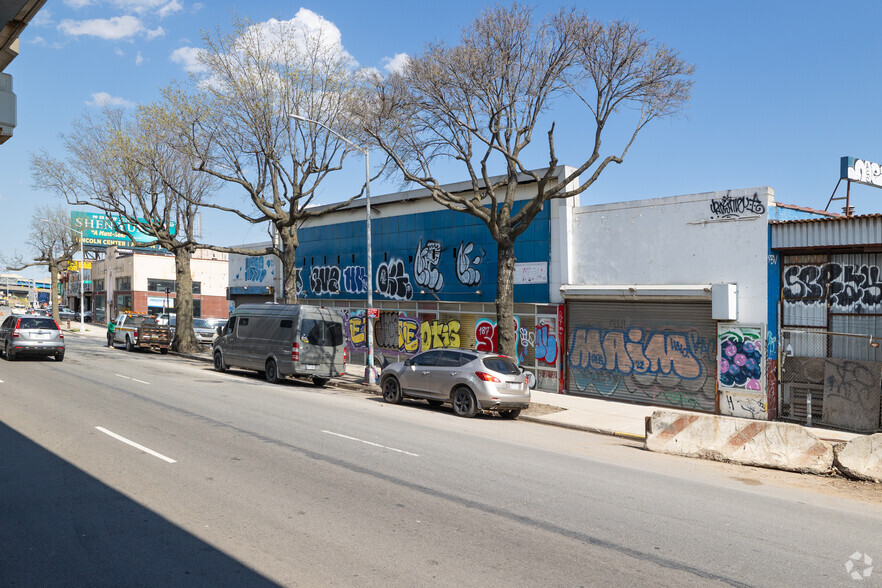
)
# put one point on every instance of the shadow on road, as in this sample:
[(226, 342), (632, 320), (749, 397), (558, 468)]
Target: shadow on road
[(62, 527)]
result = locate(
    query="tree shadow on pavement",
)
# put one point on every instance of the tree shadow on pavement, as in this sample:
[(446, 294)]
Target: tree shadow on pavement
[(63, 527)]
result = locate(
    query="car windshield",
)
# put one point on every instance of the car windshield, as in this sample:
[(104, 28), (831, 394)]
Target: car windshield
[(37, 323), (200, 324), (501, 364)]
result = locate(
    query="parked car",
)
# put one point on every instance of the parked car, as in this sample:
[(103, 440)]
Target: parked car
[(471, 381), (31, 335), (65, 313), (87, 317), (205, 329), (281, 340)]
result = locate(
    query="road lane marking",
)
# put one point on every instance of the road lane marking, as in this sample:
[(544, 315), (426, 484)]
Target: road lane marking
[(135, 445), (370, 443), (133, 379)]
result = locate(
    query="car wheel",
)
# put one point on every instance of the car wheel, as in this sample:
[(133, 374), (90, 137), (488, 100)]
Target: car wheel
[(510, 414), (59, 357), (10, 355), (129, 345), (272, 372), (464, 403), (435, 403), (391, 391), (163, 350), (320, 381), (219, 364)]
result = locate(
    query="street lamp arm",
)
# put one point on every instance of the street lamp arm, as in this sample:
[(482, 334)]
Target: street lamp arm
[(361, 150)]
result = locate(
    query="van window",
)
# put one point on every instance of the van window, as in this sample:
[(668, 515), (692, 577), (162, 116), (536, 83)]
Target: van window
[(319, 332), (243, 326), (231, 326), (286, 324)]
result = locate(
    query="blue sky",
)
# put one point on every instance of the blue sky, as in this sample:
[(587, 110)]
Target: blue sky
[(782, 90)]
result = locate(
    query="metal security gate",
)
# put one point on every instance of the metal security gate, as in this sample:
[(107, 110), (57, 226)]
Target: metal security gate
[(643, 352)]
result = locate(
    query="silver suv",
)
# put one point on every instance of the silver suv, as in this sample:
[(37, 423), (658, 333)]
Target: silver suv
[(469, 380), (31, 335)]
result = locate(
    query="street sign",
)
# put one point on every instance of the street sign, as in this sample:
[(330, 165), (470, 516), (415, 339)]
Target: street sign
[(373, 312)]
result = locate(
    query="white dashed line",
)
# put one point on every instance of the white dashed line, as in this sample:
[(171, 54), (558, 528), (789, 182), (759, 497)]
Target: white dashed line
[(371, 443), (132, 379), (135, 445)]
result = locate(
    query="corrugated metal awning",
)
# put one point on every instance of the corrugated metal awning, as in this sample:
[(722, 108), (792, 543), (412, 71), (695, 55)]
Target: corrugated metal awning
[(827, 232), (637, 292)]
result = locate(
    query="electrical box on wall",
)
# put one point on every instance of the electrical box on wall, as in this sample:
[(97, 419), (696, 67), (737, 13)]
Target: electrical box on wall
[(724, 302)]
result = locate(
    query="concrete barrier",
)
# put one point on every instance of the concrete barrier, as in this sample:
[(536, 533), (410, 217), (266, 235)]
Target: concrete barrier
[(775, 445), (860, 458)]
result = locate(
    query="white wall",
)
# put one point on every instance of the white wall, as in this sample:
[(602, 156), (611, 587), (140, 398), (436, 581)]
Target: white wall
[(678, 240)]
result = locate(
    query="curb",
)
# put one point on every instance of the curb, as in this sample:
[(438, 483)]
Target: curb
[(583, 428)]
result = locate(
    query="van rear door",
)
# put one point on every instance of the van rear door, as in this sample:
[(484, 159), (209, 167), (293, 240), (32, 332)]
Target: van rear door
[(321, 346)]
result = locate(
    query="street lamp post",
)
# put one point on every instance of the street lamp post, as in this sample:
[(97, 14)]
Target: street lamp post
[(82, 269), (369, 375)]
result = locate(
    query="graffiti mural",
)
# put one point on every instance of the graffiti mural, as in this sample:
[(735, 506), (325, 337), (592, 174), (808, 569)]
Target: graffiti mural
[(298, 281), (741, 358), (848, 285), (355, 279), (325, 279), (256, 268), (436, 334), (637, 364), (727, 207), (487, 339), (425, 266), (546, 344), (466, 272), (393, 280)]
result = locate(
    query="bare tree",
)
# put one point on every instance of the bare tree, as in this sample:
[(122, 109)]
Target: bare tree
[(479, 102), (234, 120), (52, 246), (129, 168)]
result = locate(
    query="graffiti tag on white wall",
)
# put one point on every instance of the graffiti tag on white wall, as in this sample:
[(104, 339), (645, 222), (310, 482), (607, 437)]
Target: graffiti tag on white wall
[(727, 207), (847, 285)]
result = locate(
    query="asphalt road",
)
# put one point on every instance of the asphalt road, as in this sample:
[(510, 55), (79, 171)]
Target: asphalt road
[(238, 482)]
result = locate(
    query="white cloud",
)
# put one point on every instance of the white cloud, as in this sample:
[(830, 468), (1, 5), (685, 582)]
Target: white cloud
[(43, 19), (395, 64), (138, 59), (305, 24), (119, 52), (105, 99), (157, 32), (170, 8), (118, 27), (188, 58), (78, 3), (37, 41)]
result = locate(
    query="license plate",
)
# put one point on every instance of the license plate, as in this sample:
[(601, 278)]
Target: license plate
[(514, 385), (310, 366), (39, 336)]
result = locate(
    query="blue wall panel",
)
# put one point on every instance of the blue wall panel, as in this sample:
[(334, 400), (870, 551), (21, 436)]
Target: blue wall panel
[(416, 257)]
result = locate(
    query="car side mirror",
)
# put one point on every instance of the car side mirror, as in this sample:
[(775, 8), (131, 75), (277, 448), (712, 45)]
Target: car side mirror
[(219, 331), (408, 362)]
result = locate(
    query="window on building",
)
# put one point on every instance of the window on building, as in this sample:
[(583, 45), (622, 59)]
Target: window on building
[(157, 285), (124, 284), (98, 285)]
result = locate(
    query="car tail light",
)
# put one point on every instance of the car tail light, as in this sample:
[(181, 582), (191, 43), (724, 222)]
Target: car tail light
[(345, 356), (488, 377), (60, 334), (295, 351), (15, 330)]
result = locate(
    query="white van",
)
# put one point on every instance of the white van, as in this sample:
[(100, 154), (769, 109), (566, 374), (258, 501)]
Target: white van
[(280, 340)]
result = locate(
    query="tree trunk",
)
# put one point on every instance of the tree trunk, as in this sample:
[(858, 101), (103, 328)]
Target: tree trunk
[(505, 322), (185, 339), (53, 291), (290, 242)]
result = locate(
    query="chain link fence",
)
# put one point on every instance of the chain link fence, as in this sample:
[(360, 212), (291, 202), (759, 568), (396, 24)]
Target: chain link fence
[(831, 379)]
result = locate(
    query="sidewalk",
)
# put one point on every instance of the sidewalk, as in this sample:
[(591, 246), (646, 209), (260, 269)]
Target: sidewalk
[(594, 415)]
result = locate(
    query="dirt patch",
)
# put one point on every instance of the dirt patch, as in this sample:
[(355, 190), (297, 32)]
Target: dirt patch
[(537, 409)]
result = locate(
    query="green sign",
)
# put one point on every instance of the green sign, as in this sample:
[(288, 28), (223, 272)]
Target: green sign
[(99, 230)]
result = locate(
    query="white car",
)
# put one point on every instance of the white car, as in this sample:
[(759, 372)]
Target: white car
[(19, 309)]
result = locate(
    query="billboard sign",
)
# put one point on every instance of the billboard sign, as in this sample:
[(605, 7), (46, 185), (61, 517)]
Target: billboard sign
[(860, 171), (98, 230)]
